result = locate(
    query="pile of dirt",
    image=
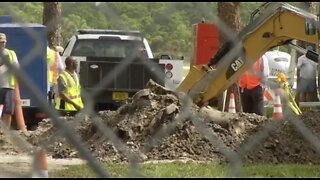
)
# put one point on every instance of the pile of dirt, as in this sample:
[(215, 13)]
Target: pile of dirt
[(145, 127)]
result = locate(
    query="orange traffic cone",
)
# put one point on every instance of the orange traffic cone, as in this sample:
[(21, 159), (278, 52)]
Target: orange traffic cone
[(18, 109), (277, 107), (232, 104), (40, 169)]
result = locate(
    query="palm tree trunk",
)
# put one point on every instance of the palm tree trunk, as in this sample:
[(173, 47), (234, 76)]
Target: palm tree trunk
[(229, 13), (51, 19)]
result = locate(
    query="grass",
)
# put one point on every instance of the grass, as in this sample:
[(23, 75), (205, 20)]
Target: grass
[(269, 111), (189, 169)]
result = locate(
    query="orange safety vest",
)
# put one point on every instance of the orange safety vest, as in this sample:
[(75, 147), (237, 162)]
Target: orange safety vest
[(252, 77)]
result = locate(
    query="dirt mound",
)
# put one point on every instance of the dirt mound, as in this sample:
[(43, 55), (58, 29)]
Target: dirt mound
[(151, 127)]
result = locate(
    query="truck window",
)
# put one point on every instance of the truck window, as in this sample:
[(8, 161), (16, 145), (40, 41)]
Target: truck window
[(106, 47)]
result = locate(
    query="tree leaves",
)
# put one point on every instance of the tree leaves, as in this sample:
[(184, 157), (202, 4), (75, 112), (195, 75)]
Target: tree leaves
[(167, 25)]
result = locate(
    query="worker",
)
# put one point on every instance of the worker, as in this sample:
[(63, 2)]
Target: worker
[(252, 84), (307, 86), (7, 80), (136, 51), (55, 67), (69, 100)]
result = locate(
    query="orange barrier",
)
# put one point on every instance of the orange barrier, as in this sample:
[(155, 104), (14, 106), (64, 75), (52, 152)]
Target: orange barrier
[(40, 169), (232, 104), (277, 107), (18, 109)]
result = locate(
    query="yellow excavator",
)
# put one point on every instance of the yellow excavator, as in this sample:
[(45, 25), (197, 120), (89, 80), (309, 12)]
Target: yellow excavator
[(277, 24)]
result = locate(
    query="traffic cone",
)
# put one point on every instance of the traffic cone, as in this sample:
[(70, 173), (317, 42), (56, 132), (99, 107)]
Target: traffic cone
[(232, 104), (277, 107), (40, 169), (18, 109)]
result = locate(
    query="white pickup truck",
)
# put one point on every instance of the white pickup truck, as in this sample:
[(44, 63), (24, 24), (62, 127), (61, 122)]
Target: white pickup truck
[(124, 56)]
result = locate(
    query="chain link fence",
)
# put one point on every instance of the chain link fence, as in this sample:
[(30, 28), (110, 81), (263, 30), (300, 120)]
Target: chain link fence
[(185, 113)]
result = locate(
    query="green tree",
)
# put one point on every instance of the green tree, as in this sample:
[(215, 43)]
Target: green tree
[(71, 24), (27, 12)]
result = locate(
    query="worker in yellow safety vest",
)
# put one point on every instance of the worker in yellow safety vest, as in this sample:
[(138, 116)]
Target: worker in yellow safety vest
[(7, 81), (69, 98), (55, 66)]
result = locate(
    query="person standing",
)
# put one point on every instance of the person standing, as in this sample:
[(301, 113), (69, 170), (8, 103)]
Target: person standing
[(7, 80), (252, 84), (55, 67), (307, 86), (69, 90)]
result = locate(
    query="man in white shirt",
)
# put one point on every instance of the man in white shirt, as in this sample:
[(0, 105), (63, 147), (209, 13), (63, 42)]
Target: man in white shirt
[(307, 83)]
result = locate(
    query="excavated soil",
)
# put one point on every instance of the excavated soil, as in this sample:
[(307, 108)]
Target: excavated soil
[(143, 127)]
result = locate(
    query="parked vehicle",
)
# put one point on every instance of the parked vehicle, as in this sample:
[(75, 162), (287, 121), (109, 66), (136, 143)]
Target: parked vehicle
[(115, 64)]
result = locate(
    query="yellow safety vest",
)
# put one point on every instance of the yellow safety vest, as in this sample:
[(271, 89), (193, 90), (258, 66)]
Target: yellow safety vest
[(72, 91), (11, 53)]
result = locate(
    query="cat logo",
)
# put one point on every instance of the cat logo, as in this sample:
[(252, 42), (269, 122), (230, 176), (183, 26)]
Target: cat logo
[(234, 67), (237, 64)]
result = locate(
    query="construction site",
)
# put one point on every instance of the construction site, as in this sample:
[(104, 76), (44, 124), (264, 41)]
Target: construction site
[(145, 134), (140, 109)]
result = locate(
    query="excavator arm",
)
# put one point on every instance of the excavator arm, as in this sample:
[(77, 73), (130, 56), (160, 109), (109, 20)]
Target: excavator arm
[(276, 25)]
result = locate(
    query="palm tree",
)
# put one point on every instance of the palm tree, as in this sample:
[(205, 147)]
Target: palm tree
[(229, 15), (51, 19)]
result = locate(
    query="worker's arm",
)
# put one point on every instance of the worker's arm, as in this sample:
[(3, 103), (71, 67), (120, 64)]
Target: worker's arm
[(265, 71), (300, 63), (15, 59), (60, 63), (64, 97), (5, 57)]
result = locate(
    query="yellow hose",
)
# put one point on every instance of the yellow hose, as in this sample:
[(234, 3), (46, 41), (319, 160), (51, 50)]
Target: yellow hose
[(287, 91)]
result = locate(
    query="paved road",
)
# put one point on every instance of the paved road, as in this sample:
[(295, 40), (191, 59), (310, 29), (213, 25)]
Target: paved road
[(21, 165)]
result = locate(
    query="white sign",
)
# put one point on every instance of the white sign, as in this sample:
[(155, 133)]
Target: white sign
[(25, 102)]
